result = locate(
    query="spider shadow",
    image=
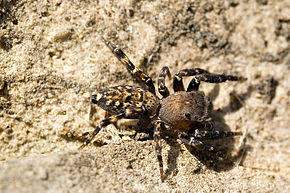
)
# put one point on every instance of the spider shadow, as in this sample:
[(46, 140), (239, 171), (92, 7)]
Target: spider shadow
[(224, 158)]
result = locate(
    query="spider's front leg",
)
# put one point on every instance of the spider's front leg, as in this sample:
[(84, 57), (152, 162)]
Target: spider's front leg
[(177, 81), (134, 71), (163, 90), (130, 113), (192, 141), (213, 134), (211, 78), (158, 148)]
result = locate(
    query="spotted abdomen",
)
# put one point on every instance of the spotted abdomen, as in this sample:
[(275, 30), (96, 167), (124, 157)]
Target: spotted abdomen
[(117, 99)]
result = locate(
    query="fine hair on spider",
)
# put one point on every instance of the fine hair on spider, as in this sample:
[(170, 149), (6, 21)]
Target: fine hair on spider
[(181, 111)]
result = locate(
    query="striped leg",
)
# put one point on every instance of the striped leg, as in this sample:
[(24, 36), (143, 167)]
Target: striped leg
[(208, 125), (189, 140), (211, 78), (177, 81), (135, 72), (158, 148), (213, 134), (163, 90), (132, 113)]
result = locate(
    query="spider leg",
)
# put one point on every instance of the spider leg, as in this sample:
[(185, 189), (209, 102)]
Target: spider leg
[(158, 148), (204, 125), (192, 141), (211, 78), (130, 113), (213, 134), (177, 81), (134, 71), (163, 90)]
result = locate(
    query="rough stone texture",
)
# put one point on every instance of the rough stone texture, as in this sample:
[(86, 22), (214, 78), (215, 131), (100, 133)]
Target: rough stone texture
[(52, 60)]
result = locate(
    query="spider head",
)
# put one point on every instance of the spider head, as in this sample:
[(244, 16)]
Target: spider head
[(183, 109)]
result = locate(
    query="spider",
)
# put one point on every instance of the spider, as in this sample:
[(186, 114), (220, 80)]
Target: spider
[(180, 111)]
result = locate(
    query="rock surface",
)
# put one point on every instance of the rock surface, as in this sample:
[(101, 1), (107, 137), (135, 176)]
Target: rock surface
[(53, 59)]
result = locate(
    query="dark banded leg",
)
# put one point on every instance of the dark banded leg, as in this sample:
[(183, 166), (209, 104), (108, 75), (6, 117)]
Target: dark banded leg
[(190, 140), (213, 134), (177, 81), (207, 124), (211, 78), (132, 113), (158, 148), (163, 90), (135, 72)]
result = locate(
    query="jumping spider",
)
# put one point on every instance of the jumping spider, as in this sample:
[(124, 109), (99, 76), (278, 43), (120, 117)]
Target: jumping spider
[(180, 111)]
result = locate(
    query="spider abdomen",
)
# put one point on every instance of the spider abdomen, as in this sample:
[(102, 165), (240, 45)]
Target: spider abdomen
[(117, 99)]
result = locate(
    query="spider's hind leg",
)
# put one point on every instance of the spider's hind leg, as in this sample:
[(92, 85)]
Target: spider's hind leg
[(131, 113), (134, 71)]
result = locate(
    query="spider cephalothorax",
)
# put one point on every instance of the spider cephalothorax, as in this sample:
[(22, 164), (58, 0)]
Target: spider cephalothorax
[(180, 111)]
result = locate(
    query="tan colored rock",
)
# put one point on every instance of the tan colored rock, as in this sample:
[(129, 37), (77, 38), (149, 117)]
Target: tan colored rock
[(52, 59)]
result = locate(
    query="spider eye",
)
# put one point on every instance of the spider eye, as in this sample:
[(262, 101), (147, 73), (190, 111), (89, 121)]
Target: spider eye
[(187, 115)]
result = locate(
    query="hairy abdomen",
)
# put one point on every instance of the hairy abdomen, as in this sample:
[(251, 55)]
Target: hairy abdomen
[(118, 98)]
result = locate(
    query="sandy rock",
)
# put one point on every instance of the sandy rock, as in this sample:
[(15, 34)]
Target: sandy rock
[(53, 59)]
